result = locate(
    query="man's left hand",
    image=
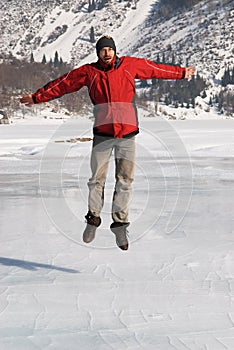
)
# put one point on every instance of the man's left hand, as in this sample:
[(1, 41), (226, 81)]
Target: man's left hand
[(189, 72), (27, 100)]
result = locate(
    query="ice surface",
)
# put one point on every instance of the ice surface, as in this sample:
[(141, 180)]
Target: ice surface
[(173, 289)]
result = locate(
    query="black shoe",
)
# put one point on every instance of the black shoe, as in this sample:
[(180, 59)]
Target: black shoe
[(92, 224), (120, 231)]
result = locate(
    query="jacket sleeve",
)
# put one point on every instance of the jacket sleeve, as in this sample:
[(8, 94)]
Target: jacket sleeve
[(146, 69), (67, 83)]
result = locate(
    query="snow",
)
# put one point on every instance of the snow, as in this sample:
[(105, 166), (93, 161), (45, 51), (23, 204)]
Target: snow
[(127, 33), (173, 288), (74, 43)]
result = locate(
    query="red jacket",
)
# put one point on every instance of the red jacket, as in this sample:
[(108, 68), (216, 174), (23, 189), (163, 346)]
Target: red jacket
[(111, 89)]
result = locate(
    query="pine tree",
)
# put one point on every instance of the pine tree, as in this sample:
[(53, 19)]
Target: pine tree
[(232, 78), (92, 36), (173, 59), (167, 100), (43, 59), (226, 79), (203, 94), (90, 6), (193, 102), (154, 81), (156, 107), (216, 99), (56, 59), (32, 58)]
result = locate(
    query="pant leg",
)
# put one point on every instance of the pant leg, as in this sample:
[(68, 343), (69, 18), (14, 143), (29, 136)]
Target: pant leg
[(101, 152), (124, 175)]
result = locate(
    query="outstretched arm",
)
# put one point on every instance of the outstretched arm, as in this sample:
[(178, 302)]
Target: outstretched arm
[(67, 83), (146, 69)]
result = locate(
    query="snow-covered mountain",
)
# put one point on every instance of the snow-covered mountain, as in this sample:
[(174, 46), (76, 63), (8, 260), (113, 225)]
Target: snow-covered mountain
[(48, 26), (202, 36)]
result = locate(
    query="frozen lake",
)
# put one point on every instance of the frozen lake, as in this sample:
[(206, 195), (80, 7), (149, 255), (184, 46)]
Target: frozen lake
[(173, 288)]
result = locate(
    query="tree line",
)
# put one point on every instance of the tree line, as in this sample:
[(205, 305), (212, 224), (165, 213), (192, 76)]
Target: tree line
[(178, 93), (19, 77), (182, 93)]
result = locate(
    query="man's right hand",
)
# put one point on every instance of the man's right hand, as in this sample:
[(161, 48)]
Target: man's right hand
[(27, 100)]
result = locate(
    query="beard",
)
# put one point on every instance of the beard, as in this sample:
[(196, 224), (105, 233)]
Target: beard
[(107, 59)]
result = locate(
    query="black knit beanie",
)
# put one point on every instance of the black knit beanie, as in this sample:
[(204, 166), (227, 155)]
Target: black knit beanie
[(105, 41)]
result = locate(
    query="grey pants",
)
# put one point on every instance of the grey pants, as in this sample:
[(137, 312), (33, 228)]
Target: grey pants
[(124, 153)]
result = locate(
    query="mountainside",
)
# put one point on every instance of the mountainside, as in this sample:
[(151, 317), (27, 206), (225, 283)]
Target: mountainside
[(199, 33), (48, 26), (203, 34)]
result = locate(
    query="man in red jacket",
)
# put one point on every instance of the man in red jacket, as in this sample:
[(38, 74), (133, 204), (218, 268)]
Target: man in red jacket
[(111, 85)]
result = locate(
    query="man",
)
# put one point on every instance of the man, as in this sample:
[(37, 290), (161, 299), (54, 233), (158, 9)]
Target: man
[(111, 86)]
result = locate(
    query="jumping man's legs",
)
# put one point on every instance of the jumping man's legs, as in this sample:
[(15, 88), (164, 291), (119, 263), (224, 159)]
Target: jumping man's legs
[(101, 152), (124, 175)]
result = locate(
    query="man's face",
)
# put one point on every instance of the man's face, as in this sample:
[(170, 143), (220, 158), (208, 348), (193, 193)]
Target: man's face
[(106, 54)]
